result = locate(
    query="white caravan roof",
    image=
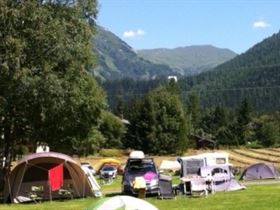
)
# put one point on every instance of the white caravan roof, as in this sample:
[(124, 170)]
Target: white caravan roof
[(213, 158)]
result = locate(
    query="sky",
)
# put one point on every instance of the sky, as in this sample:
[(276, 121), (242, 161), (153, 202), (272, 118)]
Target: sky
[(149, 24)]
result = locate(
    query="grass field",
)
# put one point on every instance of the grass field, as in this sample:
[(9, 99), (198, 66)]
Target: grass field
[(257, 197)]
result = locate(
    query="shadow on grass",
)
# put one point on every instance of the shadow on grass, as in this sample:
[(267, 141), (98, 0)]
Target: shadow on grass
[(108, 195)]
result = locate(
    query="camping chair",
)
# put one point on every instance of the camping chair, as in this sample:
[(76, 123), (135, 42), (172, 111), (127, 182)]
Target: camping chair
[(66, 192), (107, 179), (199, 187), (36, 193), (165, 187)]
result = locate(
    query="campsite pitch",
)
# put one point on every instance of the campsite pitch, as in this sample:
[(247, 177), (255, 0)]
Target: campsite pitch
[(260, 197)]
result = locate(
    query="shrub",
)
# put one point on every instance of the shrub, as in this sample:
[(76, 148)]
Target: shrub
[(253, 145)]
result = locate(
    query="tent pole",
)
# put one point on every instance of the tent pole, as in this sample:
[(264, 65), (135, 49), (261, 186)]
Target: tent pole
[(21, 179), (10, 189), (84, 186), (50, 191), (73, 173)]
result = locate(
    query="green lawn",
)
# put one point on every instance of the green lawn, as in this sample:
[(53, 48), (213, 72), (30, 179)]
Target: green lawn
[(113, 187), (262, 197), (257, 197)]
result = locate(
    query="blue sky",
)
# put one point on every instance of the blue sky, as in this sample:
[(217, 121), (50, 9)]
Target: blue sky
[(147, 24)]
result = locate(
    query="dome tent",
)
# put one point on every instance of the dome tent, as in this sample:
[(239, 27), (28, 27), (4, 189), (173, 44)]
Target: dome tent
[(260, 171), (31, 173), (122, 202)]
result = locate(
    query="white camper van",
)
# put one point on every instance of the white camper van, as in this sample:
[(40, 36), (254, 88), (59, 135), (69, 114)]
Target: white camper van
[(212, 169), (191, 165)]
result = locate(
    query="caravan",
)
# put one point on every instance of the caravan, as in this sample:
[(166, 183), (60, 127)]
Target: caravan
[(193, 165), (213, 168)]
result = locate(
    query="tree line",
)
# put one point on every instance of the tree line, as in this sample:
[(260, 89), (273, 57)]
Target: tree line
[(230, 117), (153, 116)]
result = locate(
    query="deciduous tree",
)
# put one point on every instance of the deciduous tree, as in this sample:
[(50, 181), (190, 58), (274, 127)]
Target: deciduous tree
[(46, 93)]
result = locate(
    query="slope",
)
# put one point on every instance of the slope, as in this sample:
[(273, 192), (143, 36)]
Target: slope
[(116, 59), (254, 74), (189, 60)]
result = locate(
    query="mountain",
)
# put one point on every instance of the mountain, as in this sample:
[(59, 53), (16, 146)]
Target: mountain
[(189, 60), (116, 60), (254, 74)]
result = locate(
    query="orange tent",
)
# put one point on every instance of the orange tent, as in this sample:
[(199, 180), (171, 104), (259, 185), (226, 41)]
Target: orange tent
[(109, 161)]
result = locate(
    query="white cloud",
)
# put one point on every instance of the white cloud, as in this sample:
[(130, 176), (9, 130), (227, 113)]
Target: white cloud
[(133, 33), (129, 34), (260, 24), (140, 32)]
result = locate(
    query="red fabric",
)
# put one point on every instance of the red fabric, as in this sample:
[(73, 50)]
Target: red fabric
[(56, 177)]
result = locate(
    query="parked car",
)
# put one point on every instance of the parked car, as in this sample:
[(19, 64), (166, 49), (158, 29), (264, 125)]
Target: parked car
[(87, 168), (140, 167), (108, 170)]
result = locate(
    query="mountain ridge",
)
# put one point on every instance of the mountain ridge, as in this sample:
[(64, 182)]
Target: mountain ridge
[(254, 74), (116, 59), (189, 60), (259, 58)]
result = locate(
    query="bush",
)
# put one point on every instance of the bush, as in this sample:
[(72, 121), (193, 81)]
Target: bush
[(253, 145), (21, 150)]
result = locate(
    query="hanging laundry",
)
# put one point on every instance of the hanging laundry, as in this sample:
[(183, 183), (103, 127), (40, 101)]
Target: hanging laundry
[(56, 177)]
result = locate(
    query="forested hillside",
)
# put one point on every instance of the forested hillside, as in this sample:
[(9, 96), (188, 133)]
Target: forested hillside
[(189, 60), (116, 59), (128, 89), (254, 74)]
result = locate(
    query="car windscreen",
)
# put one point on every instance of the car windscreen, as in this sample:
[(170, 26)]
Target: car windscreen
[(141, 166), (108, 168)]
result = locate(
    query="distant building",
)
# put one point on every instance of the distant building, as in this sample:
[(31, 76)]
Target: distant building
[(204, 143), (172, 78)]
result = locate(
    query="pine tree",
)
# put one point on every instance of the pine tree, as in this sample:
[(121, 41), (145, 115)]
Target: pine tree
[(244, 113), (193, 110), (159, 124)]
